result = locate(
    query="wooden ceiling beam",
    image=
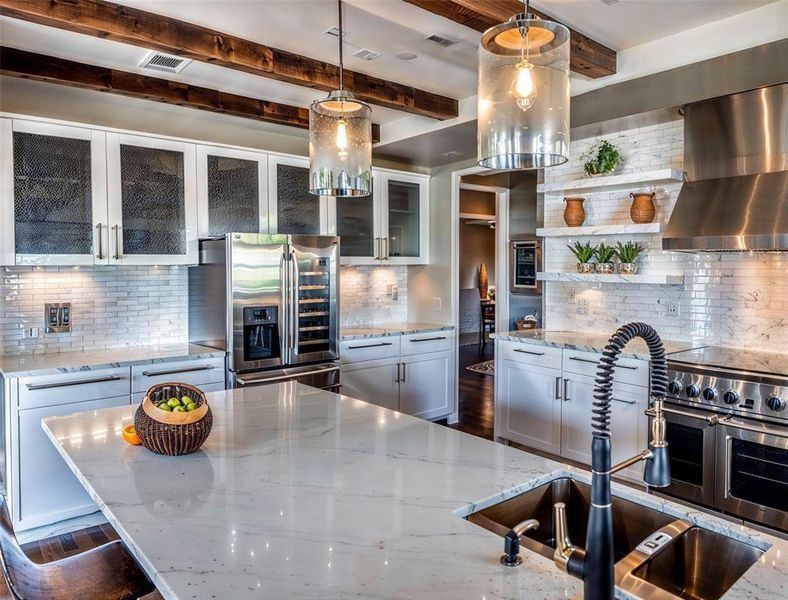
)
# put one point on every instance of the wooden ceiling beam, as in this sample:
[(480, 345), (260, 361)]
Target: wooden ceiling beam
[(587, 57), (136, 27), (28, 65)]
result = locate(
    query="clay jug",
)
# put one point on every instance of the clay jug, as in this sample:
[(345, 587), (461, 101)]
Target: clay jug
[(642, 210), (574, 213), (483, 288)]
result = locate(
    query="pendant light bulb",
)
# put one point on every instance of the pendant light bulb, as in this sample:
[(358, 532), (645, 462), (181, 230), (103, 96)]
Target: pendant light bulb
[(342, 138), (524, 88)]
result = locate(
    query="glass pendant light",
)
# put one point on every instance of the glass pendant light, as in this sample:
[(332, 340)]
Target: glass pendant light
[(340, 141), (523, 94)]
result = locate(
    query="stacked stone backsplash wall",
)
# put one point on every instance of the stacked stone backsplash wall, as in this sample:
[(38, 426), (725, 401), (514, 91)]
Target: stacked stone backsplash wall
[(731, 298), (364, 295)]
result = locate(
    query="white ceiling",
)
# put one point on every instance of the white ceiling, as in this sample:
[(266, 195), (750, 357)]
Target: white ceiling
[(385, 26)]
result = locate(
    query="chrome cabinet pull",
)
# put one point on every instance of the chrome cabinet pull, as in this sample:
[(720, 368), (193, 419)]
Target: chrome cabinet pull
[(397, 377), (377, 249), (566, 390), (385, 255), (369, 346), (521, 351), (172, 371), (100, 254), (594, 362), (116, 229), (56, 384), (558, 388), (624, 401), (432, 339), (404, 372)]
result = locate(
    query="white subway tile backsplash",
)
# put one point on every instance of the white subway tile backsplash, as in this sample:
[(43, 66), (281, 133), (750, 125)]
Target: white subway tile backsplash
[(363, 298)]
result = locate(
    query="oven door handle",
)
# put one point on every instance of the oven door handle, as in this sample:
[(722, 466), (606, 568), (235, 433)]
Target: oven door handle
[(772, 431), (711, 420)]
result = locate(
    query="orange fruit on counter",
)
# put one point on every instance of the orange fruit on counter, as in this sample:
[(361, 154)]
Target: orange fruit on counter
[(130, 435)]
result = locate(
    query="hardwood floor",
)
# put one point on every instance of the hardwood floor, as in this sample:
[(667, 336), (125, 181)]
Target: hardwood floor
[(68, 544), (476, 392)]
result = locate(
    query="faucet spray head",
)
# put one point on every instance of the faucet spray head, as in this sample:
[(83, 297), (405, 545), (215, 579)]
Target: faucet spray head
[(657, 470)]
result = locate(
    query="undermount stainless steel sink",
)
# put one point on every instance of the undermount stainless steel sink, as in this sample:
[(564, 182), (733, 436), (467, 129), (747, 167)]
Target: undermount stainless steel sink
[(631, 522), (695, 563), (698, 564)]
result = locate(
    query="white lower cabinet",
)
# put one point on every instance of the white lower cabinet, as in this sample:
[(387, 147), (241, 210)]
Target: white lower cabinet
[(530, 406), (48, 490), (374, 381), (424, 385)]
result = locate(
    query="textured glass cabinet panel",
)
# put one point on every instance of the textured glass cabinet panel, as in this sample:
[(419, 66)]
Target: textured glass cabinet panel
[(404, 217), (355, 221), (53, 210), (233, 195), (153, 200), (298, 211)]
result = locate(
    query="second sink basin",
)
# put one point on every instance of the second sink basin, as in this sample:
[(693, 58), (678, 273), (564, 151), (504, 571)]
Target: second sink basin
[(631, 522)]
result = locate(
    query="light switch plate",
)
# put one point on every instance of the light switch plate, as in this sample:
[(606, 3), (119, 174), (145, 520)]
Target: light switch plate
[(436, 304), (57, 317)]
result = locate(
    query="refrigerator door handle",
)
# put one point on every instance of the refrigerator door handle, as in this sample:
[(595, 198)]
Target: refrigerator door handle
[(293, 303), (284, 341)]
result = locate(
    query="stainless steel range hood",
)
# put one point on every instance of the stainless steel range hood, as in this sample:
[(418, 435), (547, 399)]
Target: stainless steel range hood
[(736, 159)]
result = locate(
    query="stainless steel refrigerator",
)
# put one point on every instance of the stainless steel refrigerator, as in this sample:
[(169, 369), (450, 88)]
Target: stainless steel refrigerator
[(272, 303)]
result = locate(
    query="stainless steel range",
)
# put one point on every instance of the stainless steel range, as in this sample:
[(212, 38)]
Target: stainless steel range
[(728, 432)]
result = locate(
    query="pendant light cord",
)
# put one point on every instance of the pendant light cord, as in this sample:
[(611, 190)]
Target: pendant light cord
[(341, 33)]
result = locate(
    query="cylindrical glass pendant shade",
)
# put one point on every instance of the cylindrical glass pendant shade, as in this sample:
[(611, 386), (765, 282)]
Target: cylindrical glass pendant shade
[(523, 95), (340, 146)]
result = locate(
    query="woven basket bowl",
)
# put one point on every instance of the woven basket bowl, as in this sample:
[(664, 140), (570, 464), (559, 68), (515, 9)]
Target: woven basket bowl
[(173, 433)]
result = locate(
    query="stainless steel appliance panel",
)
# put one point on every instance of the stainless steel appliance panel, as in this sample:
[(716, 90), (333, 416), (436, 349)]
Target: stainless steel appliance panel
[(210, 317), (323, 376), (257, 267)]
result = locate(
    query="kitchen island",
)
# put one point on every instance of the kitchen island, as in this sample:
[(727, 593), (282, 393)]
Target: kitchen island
[(301, 493)]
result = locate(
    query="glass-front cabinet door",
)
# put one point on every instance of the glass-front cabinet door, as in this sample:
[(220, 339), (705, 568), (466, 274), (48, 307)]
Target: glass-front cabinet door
[(356, 225), (405, 217), (232, 191), (54, 176), (292, 209), (151, 186)]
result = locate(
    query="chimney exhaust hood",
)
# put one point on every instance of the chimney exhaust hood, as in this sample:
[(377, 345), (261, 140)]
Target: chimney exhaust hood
[(736, 160)]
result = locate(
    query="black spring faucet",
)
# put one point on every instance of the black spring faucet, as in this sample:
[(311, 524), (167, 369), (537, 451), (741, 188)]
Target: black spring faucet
[(596, 564)]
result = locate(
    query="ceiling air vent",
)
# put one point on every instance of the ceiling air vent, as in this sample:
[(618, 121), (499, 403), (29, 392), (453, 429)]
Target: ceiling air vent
[(365, 54), (169, 63), (440, 40)]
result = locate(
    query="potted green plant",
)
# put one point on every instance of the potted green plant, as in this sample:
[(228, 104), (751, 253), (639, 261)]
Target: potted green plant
[(628, 254), (584, 254), (604, 259), (601, 158)]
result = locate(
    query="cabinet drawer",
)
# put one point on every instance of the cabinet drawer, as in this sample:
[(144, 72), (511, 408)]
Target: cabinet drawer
[(194, 372), (628, 370), (423, 343), (66, 388), (206, 388), (369, 349), (531, 354)]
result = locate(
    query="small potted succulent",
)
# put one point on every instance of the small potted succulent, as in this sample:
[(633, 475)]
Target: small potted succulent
[(604, 259), (601, 159), (584, 254), (628, 254)]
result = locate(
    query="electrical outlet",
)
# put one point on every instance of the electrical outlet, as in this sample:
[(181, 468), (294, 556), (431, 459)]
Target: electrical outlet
[(572, 297), (437, 304), (672, 310), (392, 291), (30, 333), (582, 306)]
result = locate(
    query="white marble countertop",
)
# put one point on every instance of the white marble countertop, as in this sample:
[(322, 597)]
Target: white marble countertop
[(360, 332), (301, 493), (589, 342), (22, 365)]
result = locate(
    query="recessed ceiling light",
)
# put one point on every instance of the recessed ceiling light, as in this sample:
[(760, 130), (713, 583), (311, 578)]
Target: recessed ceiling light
[(406, 55)]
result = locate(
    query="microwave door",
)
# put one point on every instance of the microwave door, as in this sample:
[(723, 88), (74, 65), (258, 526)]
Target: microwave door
[(314, 281), (256, 269)]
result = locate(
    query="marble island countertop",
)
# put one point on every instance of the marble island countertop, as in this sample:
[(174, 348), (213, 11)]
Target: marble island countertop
[(360, 332), (302, 493), (22, 365), (589, 342)]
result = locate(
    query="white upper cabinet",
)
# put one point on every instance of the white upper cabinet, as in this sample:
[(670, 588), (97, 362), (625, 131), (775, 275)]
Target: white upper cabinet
[(291, 208), (152, 193), (54, 195), (232, 191)]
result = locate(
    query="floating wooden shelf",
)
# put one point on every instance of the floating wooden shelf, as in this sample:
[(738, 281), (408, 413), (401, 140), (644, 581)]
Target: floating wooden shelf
[(652, 278), (589, 230), (629, 180)]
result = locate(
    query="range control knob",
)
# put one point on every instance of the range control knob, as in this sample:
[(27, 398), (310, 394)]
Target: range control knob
[(693, 391), (709, 394), (775, 403), (730, 397), (675, 387)]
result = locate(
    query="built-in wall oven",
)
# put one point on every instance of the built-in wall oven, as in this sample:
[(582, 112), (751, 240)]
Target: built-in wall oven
[(525, 259), (727, 433)]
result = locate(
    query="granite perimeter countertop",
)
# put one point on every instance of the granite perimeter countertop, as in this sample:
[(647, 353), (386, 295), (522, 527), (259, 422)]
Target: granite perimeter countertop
[(21, 365), (358, 332), (589, 342), (302, 493)]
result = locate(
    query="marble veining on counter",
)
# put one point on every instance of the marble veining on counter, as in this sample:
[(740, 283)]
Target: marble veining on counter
[(589, 342), (357, 332), (68, 362), (301, 493)]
